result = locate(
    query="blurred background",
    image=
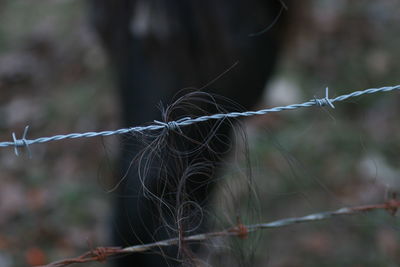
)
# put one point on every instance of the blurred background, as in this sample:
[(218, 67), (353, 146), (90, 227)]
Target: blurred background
[(55, 78)]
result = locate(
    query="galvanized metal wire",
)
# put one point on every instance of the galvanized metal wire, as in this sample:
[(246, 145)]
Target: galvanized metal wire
[(157, 125)]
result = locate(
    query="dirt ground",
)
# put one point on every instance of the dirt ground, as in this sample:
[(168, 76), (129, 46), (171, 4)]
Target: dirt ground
[(55, 78)]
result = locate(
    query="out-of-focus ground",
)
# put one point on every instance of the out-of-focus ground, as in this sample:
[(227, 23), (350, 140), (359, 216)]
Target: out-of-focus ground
[(54, 77)]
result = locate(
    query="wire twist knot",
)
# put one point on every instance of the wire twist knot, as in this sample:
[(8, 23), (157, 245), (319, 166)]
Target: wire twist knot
[(100, 253), (324, 101), (21, 142), (172, 125)]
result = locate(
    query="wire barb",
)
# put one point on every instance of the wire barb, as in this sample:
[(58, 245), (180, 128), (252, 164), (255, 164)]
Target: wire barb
[(21, 142), (172, 125), (324, 101)]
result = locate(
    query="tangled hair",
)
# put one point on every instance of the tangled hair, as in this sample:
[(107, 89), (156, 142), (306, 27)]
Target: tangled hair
[(178, 166)]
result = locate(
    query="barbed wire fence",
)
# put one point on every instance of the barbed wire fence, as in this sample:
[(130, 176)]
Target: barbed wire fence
[(240, 230), (174, 125)]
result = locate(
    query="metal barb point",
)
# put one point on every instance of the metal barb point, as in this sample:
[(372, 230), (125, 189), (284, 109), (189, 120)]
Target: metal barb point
[(21, 142), (324, 101), (172, 125)]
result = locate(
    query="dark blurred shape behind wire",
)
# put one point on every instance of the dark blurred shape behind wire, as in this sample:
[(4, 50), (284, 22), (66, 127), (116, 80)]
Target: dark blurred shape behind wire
[(156, 49)]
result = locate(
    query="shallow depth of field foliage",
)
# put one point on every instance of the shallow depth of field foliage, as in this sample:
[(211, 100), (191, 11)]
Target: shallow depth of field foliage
[(55, 78)]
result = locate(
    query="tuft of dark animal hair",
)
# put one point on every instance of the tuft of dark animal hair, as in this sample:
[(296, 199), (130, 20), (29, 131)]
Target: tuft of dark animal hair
[(175, 175)]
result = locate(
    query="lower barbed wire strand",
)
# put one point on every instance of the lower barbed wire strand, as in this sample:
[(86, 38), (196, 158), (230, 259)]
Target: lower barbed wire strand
[(101, 254)]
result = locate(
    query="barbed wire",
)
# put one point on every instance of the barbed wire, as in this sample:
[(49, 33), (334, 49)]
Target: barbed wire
[(326, 101), (240, 230)]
